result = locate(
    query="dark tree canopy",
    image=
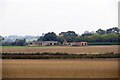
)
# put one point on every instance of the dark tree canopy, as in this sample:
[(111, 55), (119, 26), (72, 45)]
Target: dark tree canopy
[(51, 36), (69, 36), (1, 38), (100, 31), (71, 33), (60, 39), (40, 38), (19, 42), (113, 30)]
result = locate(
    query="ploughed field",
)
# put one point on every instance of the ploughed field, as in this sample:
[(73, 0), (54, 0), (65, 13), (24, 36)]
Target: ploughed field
[(59, 68), (62, 49), (85, 68)]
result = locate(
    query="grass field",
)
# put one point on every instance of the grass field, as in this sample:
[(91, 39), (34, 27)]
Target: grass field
[(60, 68), (62, 49)]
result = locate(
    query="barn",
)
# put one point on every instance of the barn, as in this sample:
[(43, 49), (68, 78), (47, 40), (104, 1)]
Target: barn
[(75, 43), (56, 43), (43, 43)]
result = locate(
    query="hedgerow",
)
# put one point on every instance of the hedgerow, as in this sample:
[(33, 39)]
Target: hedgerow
[(47, 55)]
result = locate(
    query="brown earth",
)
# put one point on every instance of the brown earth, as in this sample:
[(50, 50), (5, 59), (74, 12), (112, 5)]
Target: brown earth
[(96, 68), (63, 49)]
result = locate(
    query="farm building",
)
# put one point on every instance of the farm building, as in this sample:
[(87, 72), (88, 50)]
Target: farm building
[(56, 43), (75, 43), (43, 43)]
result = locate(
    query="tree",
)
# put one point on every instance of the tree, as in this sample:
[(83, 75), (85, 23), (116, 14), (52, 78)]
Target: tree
[(70, 33), (51, 36), (94, 38), (112, 37), (87, 33), (79, 39), (19, 42), (118, 38), (7, 43), (60, 39), (1, 38), (62, 33), (70, 36), (100, 31), (113, 30), (40, 38)]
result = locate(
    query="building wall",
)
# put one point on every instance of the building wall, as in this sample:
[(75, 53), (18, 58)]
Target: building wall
[(43, 43), (75, 44), (83, 43), (55, 43)]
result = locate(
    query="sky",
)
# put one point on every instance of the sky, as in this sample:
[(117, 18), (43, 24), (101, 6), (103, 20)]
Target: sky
[(34, 17)]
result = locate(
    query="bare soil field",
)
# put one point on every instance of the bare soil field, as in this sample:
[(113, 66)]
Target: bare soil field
[(64, 49), (93, 68)]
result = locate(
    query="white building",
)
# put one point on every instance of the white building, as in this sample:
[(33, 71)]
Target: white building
[(43, 43)]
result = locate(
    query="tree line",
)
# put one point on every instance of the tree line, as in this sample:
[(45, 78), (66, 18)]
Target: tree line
[(100, 36), (108, 36)]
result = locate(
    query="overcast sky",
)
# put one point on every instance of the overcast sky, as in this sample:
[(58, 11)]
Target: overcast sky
[(34, 17)]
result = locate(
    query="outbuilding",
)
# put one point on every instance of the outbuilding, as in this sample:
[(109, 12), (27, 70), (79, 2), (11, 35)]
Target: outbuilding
[(75, 43), (43, 43)]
